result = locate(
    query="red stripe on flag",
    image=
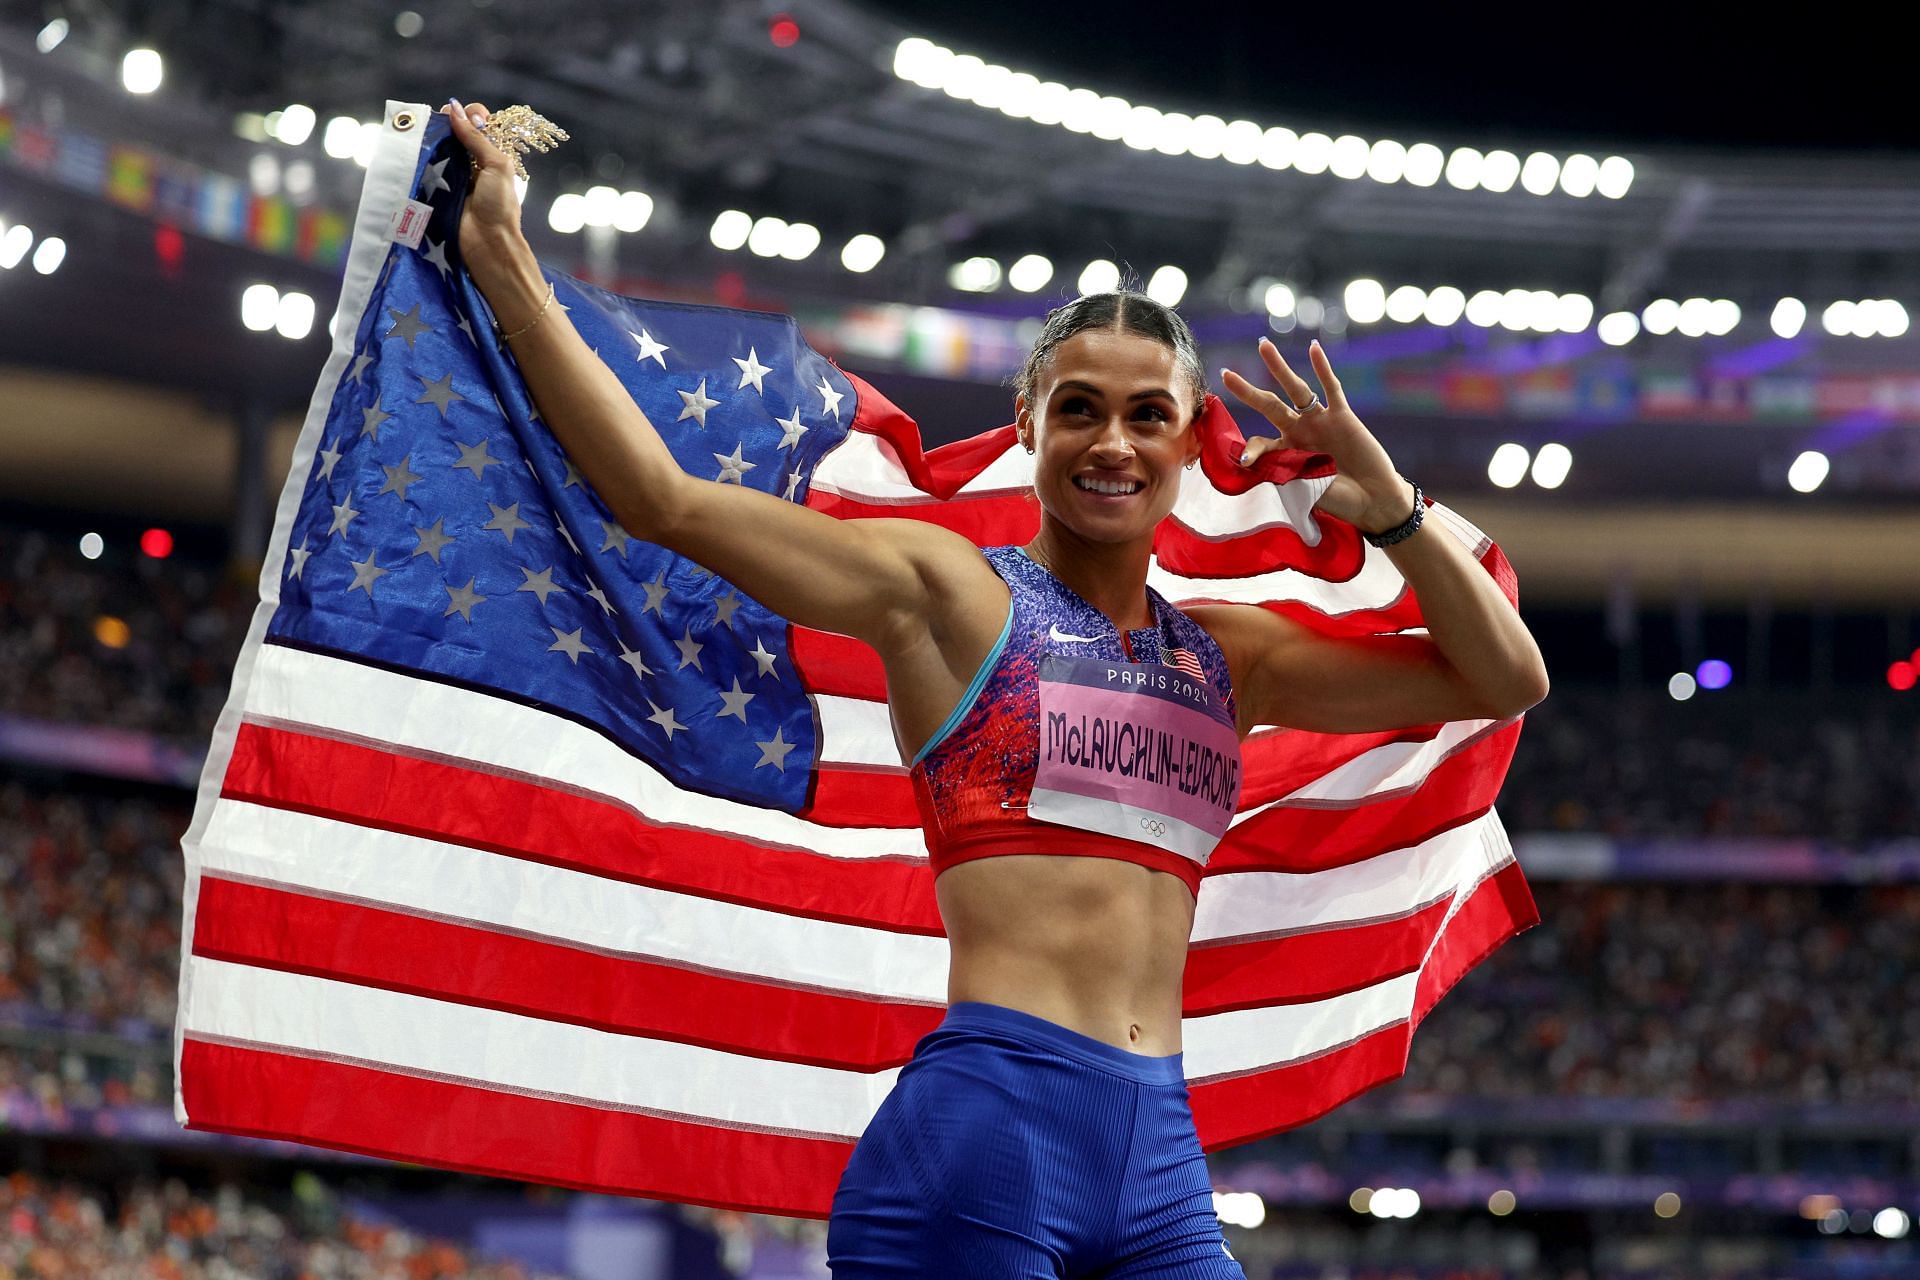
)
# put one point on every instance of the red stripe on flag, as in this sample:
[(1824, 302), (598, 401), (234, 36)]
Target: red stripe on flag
[(1235, 1109), (477, 1129), (1290, 838), (1246, 974), (835, 664), (479, 965), (352, 782), (861, 796), (1182, 549)]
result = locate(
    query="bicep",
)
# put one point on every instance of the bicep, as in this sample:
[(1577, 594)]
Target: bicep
[(1287, 674), (860, 578)]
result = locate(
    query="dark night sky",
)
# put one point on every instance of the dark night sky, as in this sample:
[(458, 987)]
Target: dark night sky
[(1561, 71)]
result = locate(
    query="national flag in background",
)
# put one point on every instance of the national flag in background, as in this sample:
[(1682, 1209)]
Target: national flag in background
[(528, 848)]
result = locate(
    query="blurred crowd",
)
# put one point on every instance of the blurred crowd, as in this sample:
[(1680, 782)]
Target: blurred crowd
[(132, 642), (1841, 766), (1695, 991), (68, 1231)]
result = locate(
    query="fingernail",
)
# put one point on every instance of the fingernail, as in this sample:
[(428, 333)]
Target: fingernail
[(478, 117), (1243, 457)]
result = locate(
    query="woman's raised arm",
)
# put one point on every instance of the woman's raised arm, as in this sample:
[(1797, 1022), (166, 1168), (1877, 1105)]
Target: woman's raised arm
[(864, 578)]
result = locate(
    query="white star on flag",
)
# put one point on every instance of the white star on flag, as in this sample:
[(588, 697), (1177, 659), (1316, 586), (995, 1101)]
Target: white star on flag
[(752, 371), (697, 403)]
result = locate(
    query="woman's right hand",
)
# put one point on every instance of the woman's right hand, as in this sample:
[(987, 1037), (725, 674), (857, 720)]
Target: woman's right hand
[(490, 221)]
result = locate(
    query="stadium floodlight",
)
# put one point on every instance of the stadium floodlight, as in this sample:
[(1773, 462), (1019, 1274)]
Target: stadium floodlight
[(1615, 177), (49, 254), (1463, 168), (1099, 276), (1680, 687), (1279, 147), (975, 275), (141, 70), (1579, 174), (1484, 307), (961, 75), (1314, 153), (1054, 103), (1516, 310), (49, 37), (1714, 673), (1309, 311), (1574, 312), (767, 235), (1499, 171), (1445, 305), (862, 253), (293, 315), (602, 201), (1891, 1223), (1143, 127), (1279, 299), (293, 124), (259, 307), (1723, 317), (1837, 319), (1365, 300), (1694, 318), (14, 245), (730, 229), (1348, 157), (1110, 118), (1172, 136), (1660, 317), (263, 174), (568, 213), (1167, 285), (990, 87), (1386, 161), (1543, 311), (1618, 328), (1508, 466), (633, 211), (1241, 143), (1808, 472), (1019, 95), (1405, 304), (1540, 174), (1789, 317), (92, 545), (798, 241), (1551, 465), (1424, 163), (1893, 318), (1207, 139), (1030, 273)]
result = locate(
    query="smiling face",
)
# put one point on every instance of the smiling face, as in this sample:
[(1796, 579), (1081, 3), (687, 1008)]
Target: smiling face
[(1112, 427)]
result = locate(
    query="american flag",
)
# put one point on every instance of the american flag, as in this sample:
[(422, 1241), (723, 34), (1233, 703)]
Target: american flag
[(528, 848)]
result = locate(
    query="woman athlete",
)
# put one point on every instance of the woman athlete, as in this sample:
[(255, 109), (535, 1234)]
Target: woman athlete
[(1043, 1129)]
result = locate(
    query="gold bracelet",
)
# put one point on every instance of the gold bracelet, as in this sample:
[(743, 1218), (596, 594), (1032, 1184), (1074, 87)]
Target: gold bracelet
[(536, 316)]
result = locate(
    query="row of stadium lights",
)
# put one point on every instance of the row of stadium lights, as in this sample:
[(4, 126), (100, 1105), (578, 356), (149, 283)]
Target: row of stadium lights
[(1511, 463), (1890, 1223), (263, 309), (17, 238), (1026, 97)]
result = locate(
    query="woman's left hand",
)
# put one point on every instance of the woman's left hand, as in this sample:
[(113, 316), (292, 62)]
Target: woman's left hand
[(1366, 491)]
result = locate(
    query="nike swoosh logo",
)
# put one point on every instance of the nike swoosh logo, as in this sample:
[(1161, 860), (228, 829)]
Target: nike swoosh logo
[(1055, 633)]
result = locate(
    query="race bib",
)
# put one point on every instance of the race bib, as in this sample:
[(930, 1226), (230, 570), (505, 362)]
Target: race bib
[(1136, 750)]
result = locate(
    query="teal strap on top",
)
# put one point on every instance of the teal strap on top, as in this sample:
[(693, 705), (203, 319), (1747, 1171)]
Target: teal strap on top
[(972, 694)]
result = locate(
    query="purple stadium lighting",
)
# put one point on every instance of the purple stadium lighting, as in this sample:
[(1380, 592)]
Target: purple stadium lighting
[(1714, 674)]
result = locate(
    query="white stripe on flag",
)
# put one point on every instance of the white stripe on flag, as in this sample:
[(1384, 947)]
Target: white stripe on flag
[(1391, 767), (1394, 883), (1249, 1039), (380, 706), (530, 1055)]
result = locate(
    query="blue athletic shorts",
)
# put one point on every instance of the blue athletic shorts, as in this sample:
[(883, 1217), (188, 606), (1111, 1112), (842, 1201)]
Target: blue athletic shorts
[(1012, 1147)]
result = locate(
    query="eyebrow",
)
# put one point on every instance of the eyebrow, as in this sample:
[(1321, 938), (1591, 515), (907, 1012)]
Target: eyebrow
[(1075, 385)]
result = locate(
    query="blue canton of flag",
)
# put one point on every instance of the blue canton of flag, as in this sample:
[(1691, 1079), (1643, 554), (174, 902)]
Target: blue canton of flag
[(444, 533)]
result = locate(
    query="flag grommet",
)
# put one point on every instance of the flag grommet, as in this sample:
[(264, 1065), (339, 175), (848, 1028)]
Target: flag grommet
[(403, 120)]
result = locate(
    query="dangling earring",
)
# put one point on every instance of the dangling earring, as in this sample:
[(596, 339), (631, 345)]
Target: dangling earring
[(1190, 464)]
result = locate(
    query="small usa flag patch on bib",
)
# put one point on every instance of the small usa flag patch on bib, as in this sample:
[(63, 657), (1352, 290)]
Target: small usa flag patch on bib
[(1184, 660)]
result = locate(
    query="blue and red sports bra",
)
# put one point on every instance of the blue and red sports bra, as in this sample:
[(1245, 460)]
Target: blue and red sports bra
[(1073, 740)]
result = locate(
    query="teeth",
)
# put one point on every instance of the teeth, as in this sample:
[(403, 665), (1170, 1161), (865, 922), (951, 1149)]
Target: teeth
[(1107, 486)]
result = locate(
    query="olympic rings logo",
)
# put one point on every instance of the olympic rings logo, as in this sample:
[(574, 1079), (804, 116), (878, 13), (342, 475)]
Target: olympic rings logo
[(1153, 826)]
